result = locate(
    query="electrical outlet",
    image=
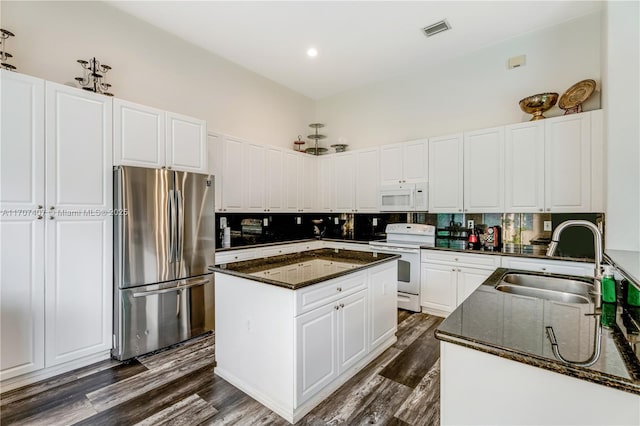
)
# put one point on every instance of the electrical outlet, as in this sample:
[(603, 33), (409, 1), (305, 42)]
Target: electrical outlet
[(265, 221), (547, 225), (470, 223), (298, 220), (336, 221), (223, 222), (375, 221)]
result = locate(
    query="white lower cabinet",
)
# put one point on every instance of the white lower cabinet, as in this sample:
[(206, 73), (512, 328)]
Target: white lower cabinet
[(448, 278)]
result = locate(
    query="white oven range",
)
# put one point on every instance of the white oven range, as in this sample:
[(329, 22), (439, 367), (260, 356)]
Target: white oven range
[(406, 239)]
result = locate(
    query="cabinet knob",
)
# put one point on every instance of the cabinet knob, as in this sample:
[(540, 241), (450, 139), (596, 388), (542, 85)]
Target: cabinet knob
[(51, 217), (455, 258), (163, 167), (453, 269), (544, 269), (459, 210), (541, 210), (52, 208), (336, 307), (548, 209), (169, 168), (40, 216), (40, 206), (459, 270), (339, 288), (342, 305)]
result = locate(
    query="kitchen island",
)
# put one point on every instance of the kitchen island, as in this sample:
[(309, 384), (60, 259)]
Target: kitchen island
[(498, 365), (291, 329)]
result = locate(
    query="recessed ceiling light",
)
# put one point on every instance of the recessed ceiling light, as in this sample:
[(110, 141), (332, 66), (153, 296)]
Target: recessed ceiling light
[(312, 52)]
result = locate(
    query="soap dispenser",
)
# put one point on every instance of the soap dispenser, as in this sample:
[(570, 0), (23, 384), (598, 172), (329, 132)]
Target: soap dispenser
[(608, 285)]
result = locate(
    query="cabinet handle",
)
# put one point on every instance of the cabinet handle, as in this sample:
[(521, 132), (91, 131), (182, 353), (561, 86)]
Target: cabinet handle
[(336, 307), (169, 168), (235, 257), (459, 210), (453, 269), (51, 217), (339, 288), (40, 206), (543, 269), (342, 305), (52, 208), (548, 209), (455, 258), (541, 210), (40, 216), (459, 270), (163, 167)]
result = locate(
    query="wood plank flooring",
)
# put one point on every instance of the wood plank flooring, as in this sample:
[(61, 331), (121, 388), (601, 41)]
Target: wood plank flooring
[(178, 387)]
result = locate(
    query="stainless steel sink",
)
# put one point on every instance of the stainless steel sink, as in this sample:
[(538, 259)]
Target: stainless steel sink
[(546, 287)]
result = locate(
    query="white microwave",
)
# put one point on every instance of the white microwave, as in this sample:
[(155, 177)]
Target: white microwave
[(404, 197)]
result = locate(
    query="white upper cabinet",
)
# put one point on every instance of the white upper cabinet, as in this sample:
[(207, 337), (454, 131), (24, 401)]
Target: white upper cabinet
[(186, 143), (326, 183), (149, 137), (367, 185), (291, 172), (254, 169), (344, 179), (139, 135), (215, 154), (233, 176), (308, 195), (446, 174), (524, 167), (484, 171), (568, 163), (404, 162), (274, 200)]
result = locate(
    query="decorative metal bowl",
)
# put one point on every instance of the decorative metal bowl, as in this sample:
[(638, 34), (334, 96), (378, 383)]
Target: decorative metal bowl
[(537, 104)]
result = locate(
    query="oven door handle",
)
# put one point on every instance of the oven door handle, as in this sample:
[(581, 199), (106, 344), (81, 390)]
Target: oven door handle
[(395, 249)]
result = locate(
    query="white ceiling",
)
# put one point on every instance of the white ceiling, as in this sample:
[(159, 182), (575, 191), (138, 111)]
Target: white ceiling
[(359, 42)]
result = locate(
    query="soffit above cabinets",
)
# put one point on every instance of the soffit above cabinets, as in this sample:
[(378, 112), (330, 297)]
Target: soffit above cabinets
[(358, 43)]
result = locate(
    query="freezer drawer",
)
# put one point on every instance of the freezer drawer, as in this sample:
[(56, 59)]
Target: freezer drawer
[(152, 317)]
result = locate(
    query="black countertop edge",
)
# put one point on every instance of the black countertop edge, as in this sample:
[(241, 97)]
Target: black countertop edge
[(277, 243), (288, 259), (546, 364), (508, 252)]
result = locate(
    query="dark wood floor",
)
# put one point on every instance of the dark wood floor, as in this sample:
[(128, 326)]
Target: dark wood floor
[(177, 386)]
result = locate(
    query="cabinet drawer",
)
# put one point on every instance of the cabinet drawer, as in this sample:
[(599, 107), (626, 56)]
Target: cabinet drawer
[(550, 266), (235, 256), (478, 260), (314, 296)]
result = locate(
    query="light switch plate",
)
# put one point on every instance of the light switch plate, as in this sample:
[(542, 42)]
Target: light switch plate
[(336, 221), (298, 220), (265, 221), (375, 221), (470, 223), (223, 222), (547, 225)]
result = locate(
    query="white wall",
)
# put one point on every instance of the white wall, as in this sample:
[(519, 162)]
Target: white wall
[(152, 67), (621, 100), (475, 91)]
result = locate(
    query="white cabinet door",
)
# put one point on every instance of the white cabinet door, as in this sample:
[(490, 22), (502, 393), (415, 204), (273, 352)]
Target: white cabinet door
[(326, 183), (233, 180), (352, 329), (344, 179), (446, 174), (316, 356), (391, 164), (186, 142), (309, 187), (138, 135), (215, 152), (469, 279), (524, 167), (438, 287), (568, 163), (254, 168), (274, 200), (484, 171), (383, 299), (22, 243), (291, 181), (79, 245), (416, 161), (367, 180)]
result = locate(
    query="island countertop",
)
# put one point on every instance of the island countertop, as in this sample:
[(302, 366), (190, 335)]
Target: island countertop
[(513, 328), (324, 264)]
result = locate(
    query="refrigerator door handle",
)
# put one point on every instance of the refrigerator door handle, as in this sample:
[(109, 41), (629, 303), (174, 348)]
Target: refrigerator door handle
[(171, 225), (169, 290), (180, 225)]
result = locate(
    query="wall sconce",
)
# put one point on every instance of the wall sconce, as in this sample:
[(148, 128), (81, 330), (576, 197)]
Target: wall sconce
[(93, 78)]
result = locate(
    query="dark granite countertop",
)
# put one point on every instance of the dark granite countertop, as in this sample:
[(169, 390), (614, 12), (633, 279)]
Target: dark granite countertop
[(351, 260), (277, 243), (518, 250), (513, 327)]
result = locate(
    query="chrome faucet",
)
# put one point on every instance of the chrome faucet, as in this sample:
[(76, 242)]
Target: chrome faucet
[(597, 244)]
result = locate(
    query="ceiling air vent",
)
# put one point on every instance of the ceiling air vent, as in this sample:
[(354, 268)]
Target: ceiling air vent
[(436, 28)]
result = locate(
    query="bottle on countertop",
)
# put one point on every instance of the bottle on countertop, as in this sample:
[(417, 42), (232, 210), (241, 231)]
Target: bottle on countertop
[(608, 316), (608, 285), (632, 293)]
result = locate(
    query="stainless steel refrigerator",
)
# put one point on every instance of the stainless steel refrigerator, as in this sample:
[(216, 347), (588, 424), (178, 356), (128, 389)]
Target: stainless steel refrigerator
[(164, 243)]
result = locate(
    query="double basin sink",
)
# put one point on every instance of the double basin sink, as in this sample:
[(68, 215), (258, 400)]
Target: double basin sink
[(558, 289)]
